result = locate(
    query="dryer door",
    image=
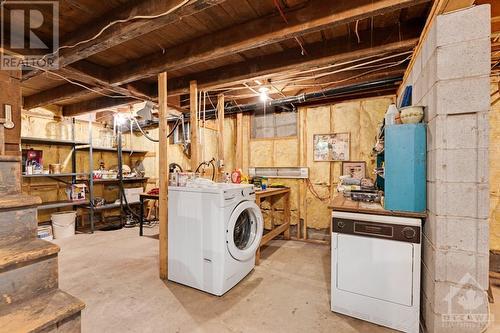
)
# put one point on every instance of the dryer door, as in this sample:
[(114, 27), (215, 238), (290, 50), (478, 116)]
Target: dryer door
[(244, 231)]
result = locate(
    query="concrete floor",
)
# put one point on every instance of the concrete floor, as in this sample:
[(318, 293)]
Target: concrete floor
[(116, 274)]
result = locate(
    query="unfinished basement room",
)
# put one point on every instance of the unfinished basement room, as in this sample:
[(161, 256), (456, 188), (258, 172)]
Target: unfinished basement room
[(253, 166)]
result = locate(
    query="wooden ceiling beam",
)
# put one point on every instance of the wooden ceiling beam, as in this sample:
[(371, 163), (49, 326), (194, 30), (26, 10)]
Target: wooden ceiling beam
[(315, 16), (54, 96), (385, 41), (90, 75), (94, 105), (318, 54), (123, 32)]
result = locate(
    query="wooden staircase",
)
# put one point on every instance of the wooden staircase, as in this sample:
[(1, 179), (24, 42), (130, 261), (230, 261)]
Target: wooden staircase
[(30, 299)]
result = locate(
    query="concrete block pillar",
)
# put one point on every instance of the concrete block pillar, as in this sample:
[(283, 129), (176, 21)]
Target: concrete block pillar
[(451, 79)]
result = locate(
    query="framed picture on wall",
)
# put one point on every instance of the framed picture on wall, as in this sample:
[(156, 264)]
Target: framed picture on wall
[(331, 147), (356, 169)]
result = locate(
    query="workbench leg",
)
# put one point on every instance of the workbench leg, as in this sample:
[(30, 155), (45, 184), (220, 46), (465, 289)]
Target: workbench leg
[(287, 212), (257, 253), (272, 202), (141, 221)]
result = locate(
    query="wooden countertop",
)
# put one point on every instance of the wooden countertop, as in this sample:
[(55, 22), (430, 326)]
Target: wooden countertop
[(272, 191), (342, 204)]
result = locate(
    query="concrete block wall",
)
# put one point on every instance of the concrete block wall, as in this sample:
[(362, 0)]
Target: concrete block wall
[(451, 78)]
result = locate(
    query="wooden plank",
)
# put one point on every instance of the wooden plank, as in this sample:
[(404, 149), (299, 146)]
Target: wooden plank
[(318, 54), (273, 233), (452, 5), (315, 16), (123, 32), (95, 104), (193, 118), (340, 203), (287, 211), (239, 141), (163, 175), (271, 192), (55, 95), (220, 135)]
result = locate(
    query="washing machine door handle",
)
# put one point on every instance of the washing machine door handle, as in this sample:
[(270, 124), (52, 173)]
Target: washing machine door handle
[(244, 231)]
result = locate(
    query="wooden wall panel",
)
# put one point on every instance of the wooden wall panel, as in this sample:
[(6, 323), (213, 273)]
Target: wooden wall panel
[(229, 144)]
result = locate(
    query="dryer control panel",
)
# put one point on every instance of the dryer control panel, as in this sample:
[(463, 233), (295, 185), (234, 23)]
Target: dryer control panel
[(402, 233)]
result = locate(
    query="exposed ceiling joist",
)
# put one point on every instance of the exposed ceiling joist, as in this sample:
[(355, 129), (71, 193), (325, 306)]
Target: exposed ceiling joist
[(319, 54), (90, 75), (122, 32), (55, 95), (317, 15), (94, 105), (247, 73)]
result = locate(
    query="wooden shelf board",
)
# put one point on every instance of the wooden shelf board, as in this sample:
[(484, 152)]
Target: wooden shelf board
[(69, 174), (46, 141), (110, 206), (61, 203)]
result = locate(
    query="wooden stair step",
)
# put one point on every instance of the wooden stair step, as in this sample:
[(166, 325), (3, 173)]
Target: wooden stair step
[(18, 218), (40, 313), (10, 175), (16, 254)]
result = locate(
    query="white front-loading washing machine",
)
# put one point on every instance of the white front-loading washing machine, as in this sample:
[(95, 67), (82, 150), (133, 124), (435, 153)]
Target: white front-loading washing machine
[(214, 231)]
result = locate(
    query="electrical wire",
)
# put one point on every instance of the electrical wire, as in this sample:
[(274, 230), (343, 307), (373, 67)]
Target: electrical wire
[(290, 79), (311, 188), (84, 86), (151, 138), (207, 163), (109, 25)]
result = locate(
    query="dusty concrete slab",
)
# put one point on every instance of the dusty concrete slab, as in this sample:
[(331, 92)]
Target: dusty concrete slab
[(116, 274)]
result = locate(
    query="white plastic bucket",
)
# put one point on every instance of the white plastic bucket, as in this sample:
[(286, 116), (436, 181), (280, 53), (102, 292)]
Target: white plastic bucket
[(63, 224)]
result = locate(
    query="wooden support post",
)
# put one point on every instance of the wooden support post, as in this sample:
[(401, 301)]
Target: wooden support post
[(163, 174), (239, 141), (220, 135), (193, 108)]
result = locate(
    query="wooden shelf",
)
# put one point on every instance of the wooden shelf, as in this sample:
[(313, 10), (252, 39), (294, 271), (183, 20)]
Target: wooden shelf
[(69, 174), (130, 180), (61, 203), (124, 150), (45, 141), (110, 206)]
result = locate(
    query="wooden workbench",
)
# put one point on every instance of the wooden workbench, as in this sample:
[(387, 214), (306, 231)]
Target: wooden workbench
[(271, 194), (343, 204)]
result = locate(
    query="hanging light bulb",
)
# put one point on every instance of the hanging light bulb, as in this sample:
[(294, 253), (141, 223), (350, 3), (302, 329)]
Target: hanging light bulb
[(263, 94), (120, 119)]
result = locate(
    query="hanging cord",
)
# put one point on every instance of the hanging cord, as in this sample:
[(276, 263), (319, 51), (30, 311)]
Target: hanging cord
[(109, 25), (153, 139), (208, 163), (311, 188)]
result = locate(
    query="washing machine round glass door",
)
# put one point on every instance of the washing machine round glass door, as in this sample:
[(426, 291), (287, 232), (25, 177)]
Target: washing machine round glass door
[(244, 230)]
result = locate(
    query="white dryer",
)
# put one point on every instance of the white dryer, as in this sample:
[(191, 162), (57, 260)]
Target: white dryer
[(214, 231), (376, 269)]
